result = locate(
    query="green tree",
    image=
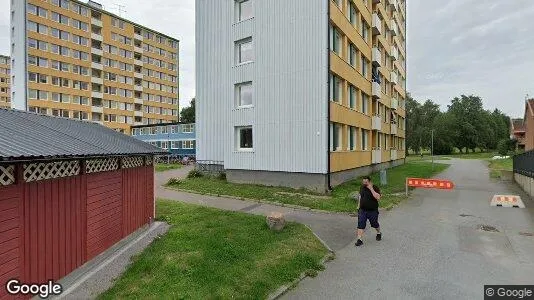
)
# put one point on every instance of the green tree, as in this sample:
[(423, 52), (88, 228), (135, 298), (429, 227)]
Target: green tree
[(413, 119), (468, 113), (187, 115)]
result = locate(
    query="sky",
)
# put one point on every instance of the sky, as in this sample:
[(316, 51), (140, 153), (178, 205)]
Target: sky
[(455, 47)]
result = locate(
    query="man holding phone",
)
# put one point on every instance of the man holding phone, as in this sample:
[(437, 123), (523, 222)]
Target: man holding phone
[(368, 209)]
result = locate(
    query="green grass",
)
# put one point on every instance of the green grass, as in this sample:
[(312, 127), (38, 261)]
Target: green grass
[(476, 155), (167, 167), (426, 158), (339, 201), (496, 165), (213, 254)]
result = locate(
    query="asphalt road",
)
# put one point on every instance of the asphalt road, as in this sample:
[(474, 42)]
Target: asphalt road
[(433, 247)]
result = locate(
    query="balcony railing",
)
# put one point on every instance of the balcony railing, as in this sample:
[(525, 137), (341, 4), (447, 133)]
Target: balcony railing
[(376, 156), (376, 123), (394, 155), (377, 57), (376, 90), (377, 24), (394, 129), (394, 78)]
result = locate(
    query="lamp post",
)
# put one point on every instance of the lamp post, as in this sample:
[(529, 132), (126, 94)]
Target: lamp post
[(432, 151)]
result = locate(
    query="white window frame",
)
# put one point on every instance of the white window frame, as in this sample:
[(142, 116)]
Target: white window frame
[(238, 139), (238, 51), (238, 10), (238, 95)]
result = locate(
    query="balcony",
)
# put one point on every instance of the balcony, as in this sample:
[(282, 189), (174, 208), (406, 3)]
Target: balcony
[(96, 22), (377, 57), (96, 65), (138, 88), (97, 80), (138, 36), (394, 53), (138, 101), (138, 75), (96, 37), (377, 1), (138, 62), (376, 156), (138, 123), (394, 28), (394, 130), (394, 155), (96, 51), (377, 24), (376, 90), (376, 123), (97, 109), (138, 49), (96, 94), (394, 78), (394, 103), (138, 113), (393, 4)]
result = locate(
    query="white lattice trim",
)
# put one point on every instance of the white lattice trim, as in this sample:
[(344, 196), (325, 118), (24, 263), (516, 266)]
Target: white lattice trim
[(149, 160), (101, 165), (7, 175), (132, 162), (50, 170)]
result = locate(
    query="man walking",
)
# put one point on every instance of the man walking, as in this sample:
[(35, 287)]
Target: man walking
[(368, 209)]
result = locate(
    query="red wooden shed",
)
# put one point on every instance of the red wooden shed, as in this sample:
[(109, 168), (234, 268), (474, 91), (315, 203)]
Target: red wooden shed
[(68, 191)]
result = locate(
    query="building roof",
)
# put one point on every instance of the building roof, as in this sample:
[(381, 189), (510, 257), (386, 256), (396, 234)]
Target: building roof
[(517, 125), (26, 135), (530, 107)]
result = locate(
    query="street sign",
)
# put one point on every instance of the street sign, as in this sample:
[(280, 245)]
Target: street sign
[(429, 184)]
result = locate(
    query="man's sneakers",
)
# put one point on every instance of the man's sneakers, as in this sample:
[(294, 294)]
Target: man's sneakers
[(358, 243), (379, 236)]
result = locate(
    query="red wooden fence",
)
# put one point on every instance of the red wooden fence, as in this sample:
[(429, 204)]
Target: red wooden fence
[(49, 228)]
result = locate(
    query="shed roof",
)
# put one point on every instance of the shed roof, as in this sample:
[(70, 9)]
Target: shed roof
[(29, 135), (518, 125)]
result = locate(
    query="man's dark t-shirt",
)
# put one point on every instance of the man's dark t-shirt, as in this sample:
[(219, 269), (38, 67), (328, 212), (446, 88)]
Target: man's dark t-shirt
[(367, 201)]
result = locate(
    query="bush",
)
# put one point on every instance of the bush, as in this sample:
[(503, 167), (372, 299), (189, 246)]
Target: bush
[(194, 174), (442, 148), (503, 147), (221, 176)]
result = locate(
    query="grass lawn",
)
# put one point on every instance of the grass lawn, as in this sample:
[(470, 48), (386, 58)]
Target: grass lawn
[(339, 201), (213, 254), (496, 165), (427, 158), (167, 167), (476, 155)]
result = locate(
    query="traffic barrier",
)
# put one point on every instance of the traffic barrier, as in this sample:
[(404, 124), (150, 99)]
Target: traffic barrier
[(429, 184)]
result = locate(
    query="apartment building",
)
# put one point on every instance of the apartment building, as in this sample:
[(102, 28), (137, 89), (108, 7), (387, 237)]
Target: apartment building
[(302, 93), (76, 60), (5, 70)]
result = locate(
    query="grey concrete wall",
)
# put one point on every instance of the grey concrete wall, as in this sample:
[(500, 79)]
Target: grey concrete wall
[(310, 181), (526, 183)]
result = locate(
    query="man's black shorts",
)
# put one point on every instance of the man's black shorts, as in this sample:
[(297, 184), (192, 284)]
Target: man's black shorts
[(364, 215)]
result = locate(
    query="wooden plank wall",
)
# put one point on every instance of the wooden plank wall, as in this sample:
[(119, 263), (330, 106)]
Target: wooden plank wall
[(49, 228)]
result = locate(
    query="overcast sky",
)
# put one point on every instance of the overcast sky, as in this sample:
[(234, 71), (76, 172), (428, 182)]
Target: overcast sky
[(482, 47)]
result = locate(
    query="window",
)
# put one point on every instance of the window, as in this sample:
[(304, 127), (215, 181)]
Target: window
[(353, 97), (364, 66), (244, 10), (353, 14), (352, 55), (244, 94), (352, 138), (364, 139), (336, 87), (335, 40), (244, 51), (365, 103), (335, 137), (245, 138), (365, 31)]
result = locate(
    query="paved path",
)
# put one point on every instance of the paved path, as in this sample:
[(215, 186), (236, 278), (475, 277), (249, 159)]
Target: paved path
[(336, 230), (433, 247)]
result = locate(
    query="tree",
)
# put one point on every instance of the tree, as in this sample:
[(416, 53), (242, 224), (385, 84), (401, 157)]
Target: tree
[(187, 115), (470, 125)]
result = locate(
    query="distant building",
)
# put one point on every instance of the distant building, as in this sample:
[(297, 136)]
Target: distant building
[(76, 60), (176, 138), (528, 123), (517, 132), (5, 70)]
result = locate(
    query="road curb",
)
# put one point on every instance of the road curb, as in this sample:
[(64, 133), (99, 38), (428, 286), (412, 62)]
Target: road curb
[(287, 287)]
